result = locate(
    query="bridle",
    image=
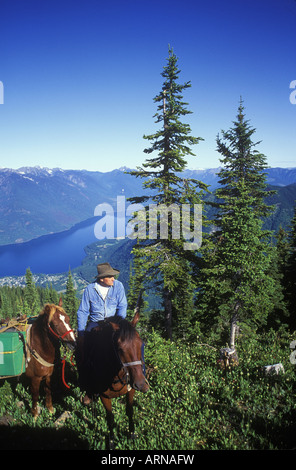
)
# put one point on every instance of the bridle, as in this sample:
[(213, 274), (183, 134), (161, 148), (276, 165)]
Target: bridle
[(134, 363), (125, 380), (60, 337), (124, 366)]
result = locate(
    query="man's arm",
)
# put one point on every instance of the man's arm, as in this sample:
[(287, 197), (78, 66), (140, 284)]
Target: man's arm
[(121, 301), (83, 312)]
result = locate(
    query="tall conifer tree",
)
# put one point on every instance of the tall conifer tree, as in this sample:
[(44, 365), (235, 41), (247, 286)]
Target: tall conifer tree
[(290, 272), (31, 297), (70, 301), (165, 261), (236, 284)]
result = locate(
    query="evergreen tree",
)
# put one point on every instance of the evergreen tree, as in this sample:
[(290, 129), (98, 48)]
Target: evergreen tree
[(54, 296), (6, 305), (136, 285), (236, 284), (163, 258), (290, 272), (31, 297), (70, 301), (242, 162)]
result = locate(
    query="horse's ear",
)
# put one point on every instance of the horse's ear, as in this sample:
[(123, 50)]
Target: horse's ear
[(136, 318), (60, 302), (48, 311), (115, 326)]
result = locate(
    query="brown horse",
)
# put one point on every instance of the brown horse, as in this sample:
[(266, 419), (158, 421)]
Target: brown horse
[(43, 341), (113, 366)]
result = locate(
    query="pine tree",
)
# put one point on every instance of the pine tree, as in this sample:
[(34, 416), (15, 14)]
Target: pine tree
[(53, 296), (136, 284), (290, 272), (164, 259), (236, 285), (70, 301), (280, 318), (31, 297), (242, 162), (6, 306)]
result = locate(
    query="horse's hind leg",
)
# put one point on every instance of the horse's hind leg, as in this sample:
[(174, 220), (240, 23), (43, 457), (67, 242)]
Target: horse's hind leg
[(48, 396), (130, 413), (35, 385)]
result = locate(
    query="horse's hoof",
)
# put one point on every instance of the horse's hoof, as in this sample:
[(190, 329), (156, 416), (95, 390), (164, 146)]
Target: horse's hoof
[(133, 436), (111, 444), (36, 411), (52, 410), (86, 400)]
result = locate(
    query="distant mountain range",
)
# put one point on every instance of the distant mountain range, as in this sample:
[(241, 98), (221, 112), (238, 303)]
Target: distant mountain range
[(37, 201)]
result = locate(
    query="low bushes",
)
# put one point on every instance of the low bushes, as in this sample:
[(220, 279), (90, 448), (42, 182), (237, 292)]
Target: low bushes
[(191, 404)]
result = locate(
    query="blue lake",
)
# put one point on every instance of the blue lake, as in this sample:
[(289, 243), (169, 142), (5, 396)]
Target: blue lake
[(50, 254)]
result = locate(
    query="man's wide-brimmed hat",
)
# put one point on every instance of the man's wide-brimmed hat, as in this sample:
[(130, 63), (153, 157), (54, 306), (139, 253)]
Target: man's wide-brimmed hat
[(105, 270)]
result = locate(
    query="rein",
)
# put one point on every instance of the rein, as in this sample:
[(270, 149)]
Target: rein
[(61, 337)]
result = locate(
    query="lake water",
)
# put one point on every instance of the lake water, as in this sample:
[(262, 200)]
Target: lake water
[(50, 254)]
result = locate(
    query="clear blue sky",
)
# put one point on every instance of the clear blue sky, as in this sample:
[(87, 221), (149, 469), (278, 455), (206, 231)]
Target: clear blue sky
[(80, 76)]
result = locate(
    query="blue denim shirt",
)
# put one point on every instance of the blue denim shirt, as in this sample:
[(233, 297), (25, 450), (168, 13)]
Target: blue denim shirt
[(93, 308)]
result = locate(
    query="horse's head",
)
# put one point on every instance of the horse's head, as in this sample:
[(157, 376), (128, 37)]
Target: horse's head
[(59, 324), (129, 346)]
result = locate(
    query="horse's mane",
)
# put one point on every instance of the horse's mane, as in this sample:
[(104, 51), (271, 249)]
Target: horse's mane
[(126, 331)]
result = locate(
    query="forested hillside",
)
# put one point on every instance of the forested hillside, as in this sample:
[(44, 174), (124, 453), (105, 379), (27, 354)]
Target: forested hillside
[(40, 201)]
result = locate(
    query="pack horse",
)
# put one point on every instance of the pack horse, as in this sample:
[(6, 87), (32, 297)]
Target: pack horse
[(44, 335)]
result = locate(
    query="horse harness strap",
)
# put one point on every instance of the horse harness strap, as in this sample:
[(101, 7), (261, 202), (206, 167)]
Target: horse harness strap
[(61, 337), (134, 363), (35, 353), (127, 364)]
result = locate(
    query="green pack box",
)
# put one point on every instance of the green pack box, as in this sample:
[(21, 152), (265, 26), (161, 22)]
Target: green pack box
[(12, 358)]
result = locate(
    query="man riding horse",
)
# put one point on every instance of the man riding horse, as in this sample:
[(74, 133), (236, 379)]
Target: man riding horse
[(103, 298)]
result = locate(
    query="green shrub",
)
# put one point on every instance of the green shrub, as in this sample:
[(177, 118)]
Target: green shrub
[(191, 404)]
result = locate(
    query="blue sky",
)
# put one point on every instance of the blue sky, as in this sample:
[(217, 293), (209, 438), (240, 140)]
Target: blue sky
[(80, 77)]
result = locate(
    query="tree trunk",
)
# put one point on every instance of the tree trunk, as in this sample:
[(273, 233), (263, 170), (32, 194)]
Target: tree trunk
[(233, 327), (168, 312), (232, 334)]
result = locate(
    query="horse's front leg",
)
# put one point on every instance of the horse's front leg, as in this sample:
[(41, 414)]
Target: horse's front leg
[(48, 396), (130, 412), (35, 385), (110, 420)]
